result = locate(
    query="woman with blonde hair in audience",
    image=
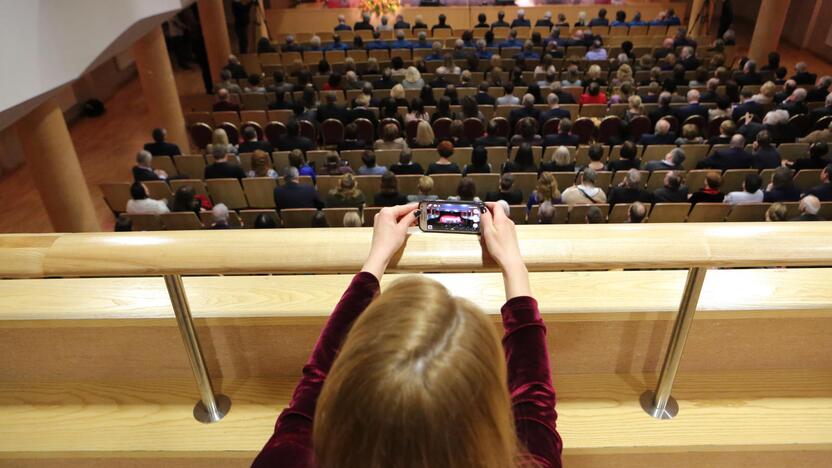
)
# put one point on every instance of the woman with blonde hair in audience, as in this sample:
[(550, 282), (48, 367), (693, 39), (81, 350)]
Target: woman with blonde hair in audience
[(593, 75), (545, 191), (560, 160), (777, 212), (623, 94), (346, 194), (352, 219), (220, 138), (425, 186), (425, 137), (462, 396), (623, 74), (261, 165), (448, 66), (766, 94), (398, 95), (635, 109), (690, 135), (390, 139), (412, 79)]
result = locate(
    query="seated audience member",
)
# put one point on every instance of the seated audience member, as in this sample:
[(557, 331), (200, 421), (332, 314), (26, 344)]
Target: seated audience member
[(527, 133), (141, 203), (370, 167), (821, 91), (521, 21), (523, 160), (352, 219), (629, 190), (796, 103), (501, 21), (219, 139), (765, 154), (466, 190), (747, 106), (479, 162), (593, 95), (663, 108), (294, 140), (628, 158), (143, 170), (389, 194), (596, 52), (636, 213), (413, 79), (672, 161), (185, 200), (364, 24), (546, 191), (554, 111), (690, 135), (483, 98), (781, 188), (507, 192), (443, 165), (424, 136), (733, 157), (809, 208), (816, 114), (545, 22), (817, 158), (750, 193), (298, 160), (254, 84), (390, 139), (223, 102), (346, 194), (727, 129), (342, 24), (222, 168), (817, 136), (442, 24), (596, 158), (776, 212), (331, 110), (401, 23), (491, 138), (601, 19), (823, 191), (594, 215), (635, 108), (335, 166), (561, 160), (673, 190), (749, 75), (123, 224), (351, 140), (662, 135), (564, 137), (295, 195), (219, 213), (585, 191), (425, 186), (710, 193), (160, 147), (526, 111), (802, 75), (319, 219), (508, 98), (443, 110), (406, 166), (252, 144), (693, 107), (546, 213), (261, 165), (228, 83)]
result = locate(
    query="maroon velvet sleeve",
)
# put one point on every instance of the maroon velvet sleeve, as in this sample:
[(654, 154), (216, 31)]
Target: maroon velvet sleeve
[(291, 443), (530, 381)]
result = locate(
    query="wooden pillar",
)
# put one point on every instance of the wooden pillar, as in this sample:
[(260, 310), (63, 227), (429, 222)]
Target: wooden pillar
[(159, 86), (767, 31), (55, 169), (697, 10), (215, 33)]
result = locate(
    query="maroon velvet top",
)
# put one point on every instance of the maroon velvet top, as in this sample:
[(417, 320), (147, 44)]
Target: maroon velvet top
[(529, 381)]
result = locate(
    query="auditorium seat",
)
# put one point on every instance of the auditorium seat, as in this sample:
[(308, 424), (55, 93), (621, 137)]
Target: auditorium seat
[(116, 195), (190, 165), (669, 213), (228, 192), (158, 189), (197, 184), (619, 213), (708, 213), (182, 221), (259, 191), (146, 222), (577, 214), (748, 212)]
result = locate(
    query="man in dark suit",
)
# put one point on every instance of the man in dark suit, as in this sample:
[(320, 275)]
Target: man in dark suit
[(527, 110), (331, 110), (160, 147), (672, 161), (564, 137), (601, 20), (796, 103), (442, 24), (294, 195), (765, 154), (688, 59), (554, 111), (630, 190), (491, 138), (223, 102), (361, 110), (521, 21), (663, 108), (364, 24), (501, 21), (788, 88), (662, 135), (672, 191), (821, 112), (545, 22), (237, 70), (342, 24), (692, 108), (563, 97), (749, 75), (143, 170), (222, 168), (823, 191), (747, 106), (252, 144), (710, 95), (802, 75), (733, 157), (821, 90), (482, 97), (401, 23), (293, 139)]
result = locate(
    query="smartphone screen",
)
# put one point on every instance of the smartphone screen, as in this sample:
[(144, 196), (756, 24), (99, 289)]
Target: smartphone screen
[(450, 216)]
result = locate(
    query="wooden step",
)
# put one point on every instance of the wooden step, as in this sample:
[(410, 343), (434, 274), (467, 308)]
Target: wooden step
[(600, 420)]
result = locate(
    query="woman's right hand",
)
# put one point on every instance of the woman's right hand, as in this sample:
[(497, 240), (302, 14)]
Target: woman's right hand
[(500, 240)]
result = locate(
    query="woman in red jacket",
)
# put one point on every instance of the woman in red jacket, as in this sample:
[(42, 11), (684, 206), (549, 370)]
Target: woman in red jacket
[(593, 95), (416, 377)]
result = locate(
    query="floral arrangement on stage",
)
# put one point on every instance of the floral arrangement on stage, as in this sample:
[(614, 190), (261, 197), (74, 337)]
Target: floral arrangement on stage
[(380, 7)]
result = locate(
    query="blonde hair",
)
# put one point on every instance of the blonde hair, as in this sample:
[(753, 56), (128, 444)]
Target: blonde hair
[(624, 73), (776, 212), (420, 381), (347, 186), (768, 89), (397, 91), (352, 219), (425, 184), (424, 134), (562, 156), (219, 137), (412, 74), (547, 187), (635, 103), (594, 72), (260, 163)]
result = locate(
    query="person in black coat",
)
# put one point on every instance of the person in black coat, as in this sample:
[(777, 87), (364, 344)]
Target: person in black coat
[(766, 156), (160, 147), (364, 24), (802, 75), (564, 137), (733, 157), (816, 114), (710, 193), (507, 192), (630, 190), (747, 106), (824, 190), (294, 195), (222, 168), (252, 144), (483, 98), (628, 159), (749, 75), (673, 191), (501, 21), (663, 108), (692, 108), (817, 158), (662, 135), (527, 111), (521, 21), (401, 23), (293, 139), (331, 110), (601, 20), (406, 166), (781, 188), (554, 111), (143, 170)]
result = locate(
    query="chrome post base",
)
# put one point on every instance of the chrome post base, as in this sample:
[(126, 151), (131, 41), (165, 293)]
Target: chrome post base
[(202, 414), (648, 405)]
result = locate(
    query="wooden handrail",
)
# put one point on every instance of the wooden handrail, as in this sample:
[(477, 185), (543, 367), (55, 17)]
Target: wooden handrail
[(545, 248)]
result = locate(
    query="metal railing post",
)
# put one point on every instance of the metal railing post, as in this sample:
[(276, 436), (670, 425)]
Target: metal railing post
[(211, 408), (660, 404)]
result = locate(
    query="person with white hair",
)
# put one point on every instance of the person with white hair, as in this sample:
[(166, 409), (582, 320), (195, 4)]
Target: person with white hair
[(219, 213), (521, 21), (630, 190), (749, 75), (672, 161), (238, 72), (364, 24), (143, 170), (419, 23), (809, 208), (662, 135), (776, 122), (581, 19), (693, 107), (314, 43), (796, 103), (545, 22), (527, 110), (802, 75), (733, 157), (342, 24), (385, 24)]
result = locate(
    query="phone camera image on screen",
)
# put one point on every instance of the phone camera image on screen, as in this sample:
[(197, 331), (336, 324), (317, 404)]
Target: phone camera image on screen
[(445, 216)]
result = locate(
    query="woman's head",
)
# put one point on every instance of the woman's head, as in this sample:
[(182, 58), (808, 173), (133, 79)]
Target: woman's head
[(425, 185), (547, 187), (389, 184), (397, 92), (412, 75), (219, 137), (777, 212), (466, 189), (260, 163), (424, 134), (414, 360), (563, 157), (594, 72), (426, 94), (296, 158), (445, 149), (390, 132), (470, 108), (525, 155), (479, 156), (352, 219), (690, 131), (444, 104), (635, 103), (347, 185)]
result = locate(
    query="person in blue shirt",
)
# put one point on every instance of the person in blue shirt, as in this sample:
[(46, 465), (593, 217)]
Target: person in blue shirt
[(342, 24), (671, 19), (620, 19), (422, 42), (521, 21), (637, 21), (376, 43), (436, 52), (528, 52), (336, 44), (481, 52), (512, 41), (400, 42)]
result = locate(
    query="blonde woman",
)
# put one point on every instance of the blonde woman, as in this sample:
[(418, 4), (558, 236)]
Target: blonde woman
[(545, 191), (460, 397), (352, 219), (346, 194), (425, 137), (220, 139), (397, 94), (559, 161), (593, 75), (624, 73), (261, 165), (425, 186), (413, 79), (766, 94), (635, 108)]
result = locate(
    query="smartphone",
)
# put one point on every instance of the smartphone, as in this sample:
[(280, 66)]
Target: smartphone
[(450, 216)]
